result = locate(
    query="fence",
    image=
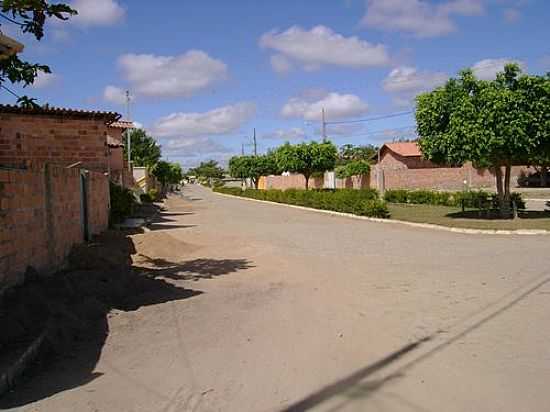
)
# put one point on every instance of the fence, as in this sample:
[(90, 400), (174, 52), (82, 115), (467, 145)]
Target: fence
[(45, 210)]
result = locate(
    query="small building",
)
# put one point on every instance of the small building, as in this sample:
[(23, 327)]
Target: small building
[(400, 165), (119, 171), (54, 185)]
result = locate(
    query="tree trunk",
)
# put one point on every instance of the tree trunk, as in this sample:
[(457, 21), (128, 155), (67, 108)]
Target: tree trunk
[(307, 181), (256, 182), (507, 194), (500, 188), (544, 176)]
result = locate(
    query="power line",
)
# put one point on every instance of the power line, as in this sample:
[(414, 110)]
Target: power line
[(10, 19), (10, 91), (370, 119)]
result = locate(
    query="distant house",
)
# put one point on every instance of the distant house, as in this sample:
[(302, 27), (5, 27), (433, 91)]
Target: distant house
[(118, 166), (402, 155), (400, 165)]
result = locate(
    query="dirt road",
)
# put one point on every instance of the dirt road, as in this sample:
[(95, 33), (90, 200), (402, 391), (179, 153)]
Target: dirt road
[(296, 310)]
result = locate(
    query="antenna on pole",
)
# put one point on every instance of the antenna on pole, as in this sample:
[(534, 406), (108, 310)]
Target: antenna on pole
[(324, 124), (129, 143), (255, 146)]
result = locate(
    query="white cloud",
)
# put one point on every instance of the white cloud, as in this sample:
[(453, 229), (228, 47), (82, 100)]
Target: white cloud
[(193, 147), (419, 17), (115, 95), (280, 63), (294, 133), (406, 79), (322, 46), (337, 106), (44, 80), (223, 120), (97, 12), (171, 76), (487, 69)]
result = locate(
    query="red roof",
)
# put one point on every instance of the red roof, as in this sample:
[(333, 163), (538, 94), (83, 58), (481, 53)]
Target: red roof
[(405, 149), (107, 117), (122, 124)]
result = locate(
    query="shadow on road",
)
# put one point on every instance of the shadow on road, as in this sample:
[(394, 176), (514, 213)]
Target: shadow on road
[(354, 386), (73, 307), (195, 269)]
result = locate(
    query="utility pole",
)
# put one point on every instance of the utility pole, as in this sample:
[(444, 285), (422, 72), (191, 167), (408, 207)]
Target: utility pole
[(128, 139), (324, 124), (255, 146), (242, 149)]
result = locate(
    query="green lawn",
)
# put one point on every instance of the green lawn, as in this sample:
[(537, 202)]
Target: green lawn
[(452, 216)]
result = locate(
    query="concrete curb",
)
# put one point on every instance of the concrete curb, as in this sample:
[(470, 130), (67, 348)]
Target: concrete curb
[(522, 232), (9, 376)]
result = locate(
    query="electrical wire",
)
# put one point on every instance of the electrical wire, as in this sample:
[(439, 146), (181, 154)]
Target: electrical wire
[(370, 119), (9, 91)]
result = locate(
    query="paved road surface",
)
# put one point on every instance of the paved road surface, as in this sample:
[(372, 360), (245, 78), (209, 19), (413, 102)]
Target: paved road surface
[(302, 310)]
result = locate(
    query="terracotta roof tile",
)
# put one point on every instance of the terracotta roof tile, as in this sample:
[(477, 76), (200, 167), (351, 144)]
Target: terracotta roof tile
[(107, 117), (406, 149), (123, 124)]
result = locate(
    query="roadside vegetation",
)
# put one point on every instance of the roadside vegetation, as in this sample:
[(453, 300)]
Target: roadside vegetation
[(494, 124), (358, 202)]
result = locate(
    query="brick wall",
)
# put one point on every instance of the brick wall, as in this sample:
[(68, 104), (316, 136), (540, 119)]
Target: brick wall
[(40, 217), (440, 178), (53, 139), (295, 181)]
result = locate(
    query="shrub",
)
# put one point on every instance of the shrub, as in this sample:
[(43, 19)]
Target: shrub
[(360, 202), (146, 198), (474, 199), (396, 196), (122, 203)]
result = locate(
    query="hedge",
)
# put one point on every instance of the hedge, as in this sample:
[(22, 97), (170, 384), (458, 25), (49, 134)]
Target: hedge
[(470, 199), (364, 202)]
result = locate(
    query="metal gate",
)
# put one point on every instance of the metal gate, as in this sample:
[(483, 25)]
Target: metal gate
[(84, 204)]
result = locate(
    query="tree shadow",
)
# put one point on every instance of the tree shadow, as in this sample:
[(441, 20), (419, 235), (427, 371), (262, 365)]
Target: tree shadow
[(195, 269), (354, 385), (164, 226), (71, 308), (495, 215)]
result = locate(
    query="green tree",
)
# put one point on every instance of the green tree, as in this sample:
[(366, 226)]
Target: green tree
[(349, 152), (494, 124), (208, 170), (306, 158), (145, 150), (353, 168), (252, 167), (30, 16), (167, 173)]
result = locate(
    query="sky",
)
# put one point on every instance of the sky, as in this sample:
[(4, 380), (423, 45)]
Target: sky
[(203, 74)]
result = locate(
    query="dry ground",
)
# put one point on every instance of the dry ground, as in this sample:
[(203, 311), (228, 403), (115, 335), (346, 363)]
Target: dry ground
[(296, 310)]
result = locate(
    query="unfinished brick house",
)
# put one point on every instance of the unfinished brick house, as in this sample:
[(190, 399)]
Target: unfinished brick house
[(119, 171), (54, 185), (401, 166)]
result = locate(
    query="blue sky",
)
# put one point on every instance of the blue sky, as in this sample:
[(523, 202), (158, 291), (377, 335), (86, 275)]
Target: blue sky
[(203, 74)]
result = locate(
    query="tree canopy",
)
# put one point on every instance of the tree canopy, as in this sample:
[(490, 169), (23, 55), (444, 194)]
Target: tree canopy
[(349, 152), (353, 168), (209, 170), (30, 16), (494, 124), (167, 173), (252, 167), (306, 158), (145, 150)]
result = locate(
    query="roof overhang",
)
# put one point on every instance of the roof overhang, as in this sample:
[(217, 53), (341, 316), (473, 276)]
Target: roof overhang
[(105, 117), (9, 46)]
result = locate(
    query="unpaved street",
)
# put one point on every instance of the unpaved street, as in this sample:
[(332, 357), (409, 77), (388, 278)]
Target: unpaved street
[(297, 310)]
